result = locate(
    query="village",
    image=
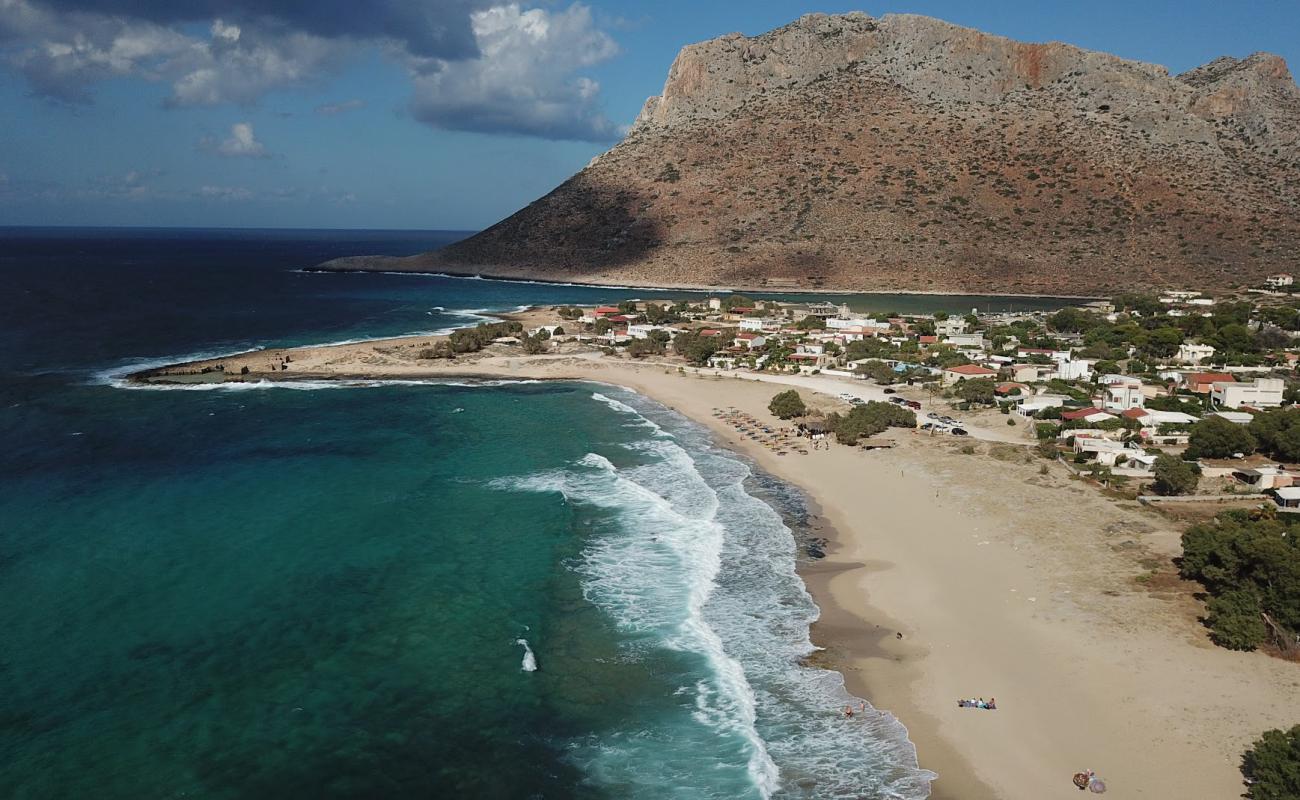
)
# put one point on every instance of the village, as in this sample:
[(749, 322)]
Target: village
[(1180, 394)]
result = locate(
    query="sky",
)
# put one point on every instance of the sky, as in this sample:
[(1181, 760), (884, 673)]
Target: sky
[(416, 114)]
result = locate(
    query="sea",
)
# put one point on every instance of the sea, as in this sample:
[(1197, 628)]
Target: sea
[(501, 589)]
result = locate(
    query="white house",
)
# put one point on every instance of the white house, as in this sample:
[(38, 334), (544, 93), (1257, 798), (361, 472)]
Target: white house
[(1259, 393), (1279, 280), (1074, 369), (966, 340), (759, 324), (1193, 353), (952, 326), (964, 371), (1121, 395)]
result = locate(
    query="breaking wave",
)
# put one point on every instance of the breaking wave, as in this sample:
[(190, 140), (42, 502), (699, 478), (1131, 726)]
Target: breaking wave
[(698, 565)]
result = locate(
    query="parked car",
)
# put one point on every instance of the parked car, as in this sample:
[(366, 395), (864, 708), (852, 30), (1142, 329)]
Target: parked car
[(959, 432), (889, 390), (913, 404), (898, 400), (857, 401), (933, 415)]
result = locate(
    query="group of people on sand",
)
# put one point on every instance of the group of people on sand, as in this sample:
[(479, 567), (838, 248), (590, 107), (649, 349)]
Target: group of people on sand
[(991, 704)]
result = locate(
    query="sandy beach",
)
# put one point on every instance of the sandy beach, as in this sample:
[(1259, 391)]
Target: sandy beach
[(1004, 580)]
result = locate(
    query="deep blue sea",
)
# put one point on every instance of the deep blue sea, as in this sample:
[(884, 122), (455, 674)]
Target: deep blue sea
[(510, 590)]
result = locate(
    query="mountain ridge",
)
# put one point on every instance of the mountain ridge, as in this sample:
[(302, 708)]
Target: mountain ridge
[(847, 152)]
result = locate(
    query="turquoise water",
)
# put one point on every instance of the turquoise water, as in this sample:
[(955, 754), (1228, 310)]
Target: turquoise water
[(316, 591)]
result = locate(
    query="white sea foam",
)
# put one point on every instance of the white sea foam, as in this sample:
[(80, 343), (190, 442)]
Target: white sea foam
[(699, 565), (530, 660), (117, 375)]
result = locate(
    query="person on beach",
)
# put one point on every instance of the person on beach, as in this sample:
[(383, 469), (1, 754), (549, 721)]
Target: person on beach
[(848, 712)]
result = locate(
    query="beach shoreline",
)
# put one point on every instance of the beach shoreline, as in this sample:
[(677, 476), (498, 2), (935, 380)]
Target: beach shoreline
[(995, 592)]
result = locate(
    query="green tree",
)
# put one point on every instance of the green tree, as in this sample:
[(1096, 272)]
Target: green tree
[(1216, 437), (696, 348), (870, 419), (1236, 338), (533, 345), (1073, 320), (1249, 564), (1272, 766), (878, 371), (811, 323), (787, 405), (976, 390), (1174, 476), (603, 326), (1235, 620), (640, 348), (1278, 433)]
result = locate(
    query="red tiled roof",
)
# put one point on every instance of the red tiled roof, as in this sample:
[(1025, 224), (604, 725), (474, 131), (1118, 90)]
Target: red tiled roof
[(972, 369), (1210, 377), (606, 310), (929, 339), (1132, 413)]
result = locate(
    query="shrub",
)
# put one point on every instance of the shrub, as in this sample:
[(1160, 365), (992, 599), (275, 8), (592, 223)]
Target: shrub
[(1011, 422), (1278, 433), (870, 419), (1046, 431), (1272, 766), (787, 405), (1174, 476), (1251, 567), (976, 390), (1235, 622)]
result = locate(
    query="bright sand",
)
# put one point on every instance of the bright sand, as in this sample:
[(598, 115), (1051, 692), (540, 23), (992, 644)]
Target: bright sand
[(1004, 583)]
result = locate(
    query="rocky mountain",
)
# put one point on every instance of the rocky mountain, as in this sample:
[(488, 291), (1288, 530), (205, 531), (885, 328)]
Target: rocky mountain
[(904, 152)]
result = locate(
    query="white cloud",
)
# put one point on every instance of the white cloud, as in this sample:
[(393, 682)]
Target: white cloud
[(330, 109), (524, 79), (474, 65), (242, 143), (225, 193)]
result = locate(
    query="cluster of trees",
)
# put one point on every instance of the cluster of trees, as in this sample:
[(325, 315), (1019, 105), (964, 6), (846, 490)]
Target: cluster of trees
[(977, 390), (1250, 566), (472, 340), (787, 405), (1276, 433), (877, 370), (868, 420), (653, 345), (696, 348), (1272, 766), (1155, 334)]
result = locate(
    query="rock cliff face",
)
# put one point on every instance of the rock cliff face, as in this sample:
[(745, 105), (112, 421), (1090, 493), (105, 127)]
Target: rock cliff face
[(906, 153)]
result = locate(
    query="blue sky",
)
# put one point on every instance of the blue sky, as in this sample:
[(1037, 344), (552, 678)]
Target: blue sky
[(414, 113)]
